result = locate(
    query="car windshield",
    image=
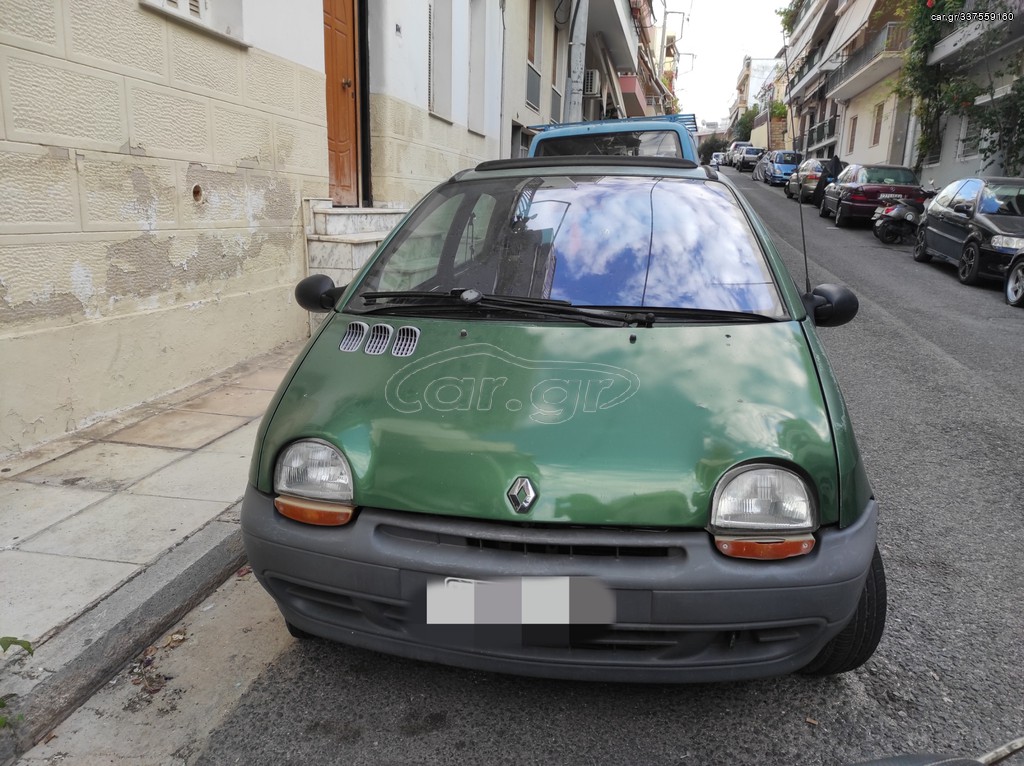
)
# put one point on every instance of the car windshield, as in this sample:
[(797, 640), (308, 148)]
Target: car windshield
[(890, 176), (591, 240), (1003, 199), (629, 143), (787, 158), (751, 150)]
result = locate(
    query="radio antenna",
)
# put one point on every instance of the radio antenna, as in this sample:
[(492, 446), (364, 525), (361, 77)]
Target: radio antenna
[(800, 187)]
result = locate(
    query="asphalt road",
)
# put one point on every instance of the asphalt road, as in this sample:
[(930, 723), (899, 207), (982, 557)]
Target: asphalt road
[(931, 373)]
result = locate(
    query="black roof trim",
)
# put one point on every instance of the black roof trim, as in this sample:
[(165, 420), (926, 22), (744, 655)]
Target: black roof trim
[(612, 160)]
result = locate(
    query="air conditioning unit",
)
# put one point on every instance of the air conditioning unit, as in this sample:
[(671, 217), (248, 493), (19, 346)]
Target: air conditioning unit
[(592, 82)]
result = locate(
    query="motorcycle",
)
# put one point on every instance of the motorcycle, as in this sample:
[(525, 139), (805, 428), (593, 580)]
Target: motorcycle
[(898, 221)]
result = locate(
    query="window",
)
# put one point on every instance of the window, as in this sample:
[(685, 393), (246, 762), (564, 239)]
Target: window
[(533, 59), (439, 62), (479, 106), (853, 134), (221, 18), (193, 8), (967, 193), (970, 137), (876, 131), (945, 196), (534, 33), (557, 75)]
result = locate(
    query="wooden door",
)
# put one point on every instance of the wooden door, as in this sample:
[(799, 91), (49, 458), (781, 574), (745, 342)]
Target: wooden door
[(342, 100)]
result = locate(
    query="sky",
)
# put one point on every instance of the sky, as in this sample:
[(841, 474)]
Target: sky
[(720, 33)]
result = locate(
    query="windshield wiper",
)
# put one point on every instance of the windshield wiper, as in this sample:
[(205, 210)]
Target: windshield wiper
[(461, 299), (647, 316)]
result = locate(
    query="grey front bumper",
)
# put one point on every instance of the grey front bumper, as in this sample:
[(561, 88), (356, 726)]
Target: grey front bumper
[(684, 612)]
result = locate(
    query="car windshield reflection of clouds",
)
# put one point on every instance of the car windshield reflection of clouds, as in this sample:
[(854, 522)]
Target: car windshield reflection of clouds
[(594, 240)]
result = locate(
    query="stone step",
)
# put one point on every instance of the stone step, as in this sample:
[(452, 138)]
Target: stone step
[(341, 221)]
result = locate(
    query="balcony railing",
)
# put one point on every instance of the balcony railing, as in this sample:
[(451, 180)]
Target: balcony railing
[(893, 37), (818, 134)]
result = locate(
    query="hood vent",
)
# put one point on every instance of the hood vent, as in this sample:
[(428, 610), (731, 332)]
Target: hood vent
[(380, 338), (354, 336), (405, 341)]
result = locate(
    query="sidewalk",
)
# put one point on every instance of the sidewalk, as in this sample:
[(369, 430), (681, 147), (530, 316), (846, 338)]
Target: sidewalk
[(110, 535)]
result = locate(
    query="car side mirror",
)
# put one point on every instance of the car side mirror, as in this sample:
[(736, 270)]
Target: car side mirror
[(317, 293), (831, 305), (965, 208)]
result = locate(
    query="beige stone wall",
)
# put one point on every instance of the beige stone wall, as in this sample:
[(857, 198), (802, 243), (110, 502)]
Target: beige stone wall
[(151, 179), (413, 150)]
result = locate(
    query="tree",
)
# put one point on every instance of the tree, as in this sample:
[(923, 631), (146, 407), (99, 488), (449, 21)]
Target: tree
[(951, 88), (745, 124), (709, 146)]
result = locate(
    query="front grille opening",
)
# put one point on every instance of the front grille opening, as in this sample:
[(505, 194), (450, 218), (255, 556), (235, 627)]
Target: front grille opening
[(528, 547), (613, 551)]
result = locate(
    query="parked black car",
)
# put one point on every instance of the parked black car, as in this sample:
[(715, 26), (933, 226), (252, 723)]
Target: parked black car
[(860, 189), (978, 225)]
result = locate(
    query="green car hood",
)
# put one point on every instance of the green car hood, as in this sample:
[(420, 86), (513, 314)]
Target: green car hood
[(630, 426)]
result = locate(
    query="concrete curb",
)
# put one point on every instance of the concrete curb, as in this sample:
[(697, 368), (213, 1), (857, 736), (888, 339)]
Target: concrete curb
[(66, 670)]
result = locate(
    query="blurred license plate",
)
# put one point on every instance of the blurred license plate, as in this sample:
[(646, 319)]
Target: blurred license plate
[(888, 196), (519, 601)]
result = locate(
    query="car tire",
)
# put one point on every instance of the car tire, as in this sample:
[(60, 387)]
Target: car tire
[(969, 265), (1013, 291), (855, 644), (789, 194), (842, 221), (921, 254), (823, 209)]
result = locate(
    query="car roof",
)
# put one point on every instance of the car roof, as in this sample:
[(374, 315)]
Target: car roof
[(675, 166), (998, 179)]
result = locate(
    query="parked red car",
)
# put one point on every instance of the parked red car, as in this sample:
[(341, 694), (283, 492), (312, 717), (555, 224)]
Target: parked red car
[(859, 189)]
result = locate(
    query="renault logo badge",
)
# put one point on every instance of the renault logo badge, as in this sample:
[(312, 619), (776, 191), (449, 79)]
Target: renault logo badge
[(522, 495)]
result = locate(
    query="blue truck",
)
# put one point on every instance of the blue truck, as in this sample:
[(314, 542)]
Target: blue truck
[(670, 135)]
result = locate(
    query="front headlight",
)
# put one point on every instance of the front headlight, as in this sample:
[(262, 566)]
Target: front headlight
[(761, 498), (314, 469), (1008, 243)]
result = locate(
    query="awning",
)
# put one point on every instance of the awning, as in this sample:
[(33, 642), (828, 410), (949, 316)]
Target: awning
[(854, 17)]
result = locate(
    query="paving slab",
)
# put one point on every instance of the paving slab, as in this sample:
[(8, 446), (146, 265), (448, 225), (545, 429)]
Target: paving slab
[(240, 442), (51, 589), (13, 465), (179, 428), (205, 475), (232, 400), (268, 379), (107, 466), (27, 508), (125, 528)]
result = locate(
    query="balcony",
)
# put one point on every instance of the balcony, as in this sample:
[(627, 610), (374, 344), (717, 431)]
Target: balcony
[(634, 96), (962, 33), (818, 135), (810, 68), (870, 64)]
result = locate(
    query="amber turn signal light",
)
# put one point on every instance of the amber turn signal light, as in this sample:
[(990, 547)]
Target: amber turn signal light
[(765, 549), (314, 512)]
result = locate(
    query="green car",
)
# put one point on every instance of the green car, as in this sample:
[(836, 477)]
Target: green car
[(572, 420)]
